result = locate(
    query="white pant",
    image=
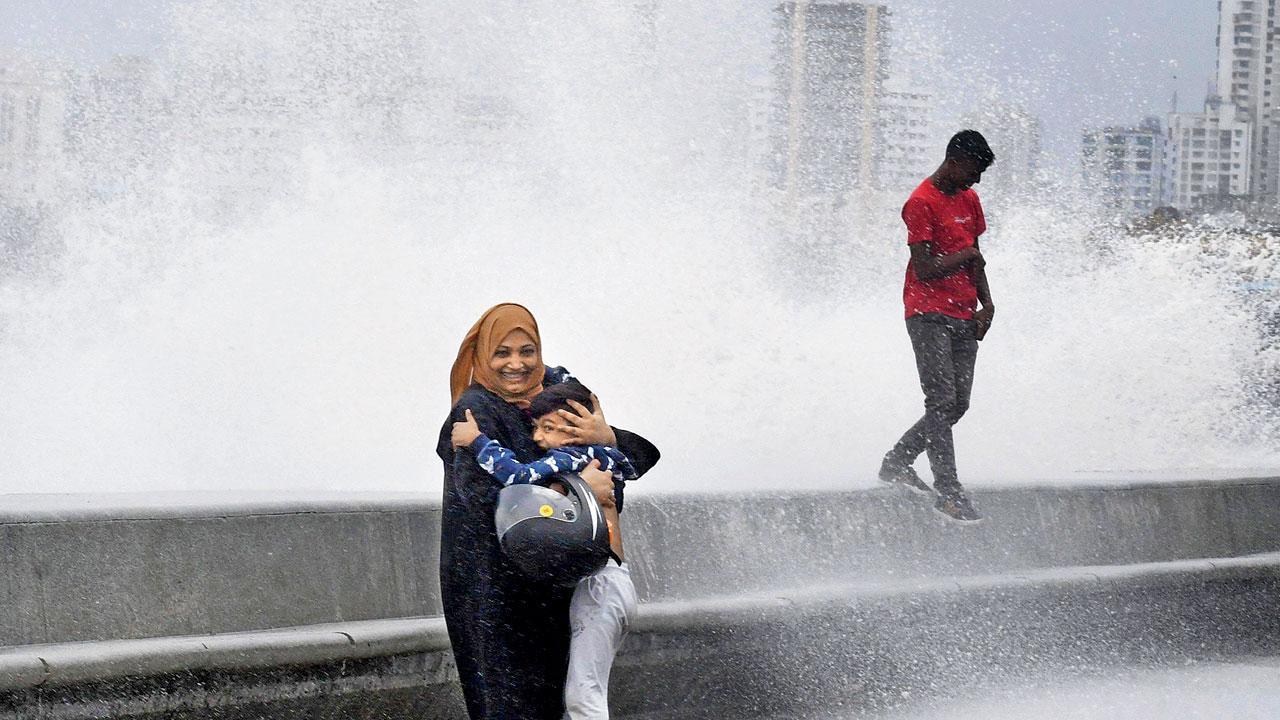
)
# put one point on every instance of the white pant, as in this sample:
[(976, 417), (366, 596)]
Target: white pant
[(600, 613)]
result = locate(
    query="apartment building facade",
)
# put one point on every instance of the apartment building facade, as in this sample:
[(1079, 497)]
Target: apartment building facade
[(1124, 166), (1208, 156)]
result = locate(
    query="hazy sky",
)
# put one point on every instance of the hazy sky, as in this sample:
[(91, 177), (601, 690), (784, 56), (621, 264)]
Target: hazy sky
[(84, 30), (1128, 51), (1078, 63), (1075, 63)]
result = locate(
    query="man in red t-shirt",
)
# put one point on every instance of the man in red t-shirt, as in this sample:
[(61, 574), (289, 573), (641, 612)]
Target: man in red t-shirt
[(946, 280)]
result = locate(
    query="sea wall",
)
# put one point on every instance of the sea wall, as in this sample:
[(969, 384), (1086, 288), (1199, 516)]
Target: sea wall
[(328, 606)]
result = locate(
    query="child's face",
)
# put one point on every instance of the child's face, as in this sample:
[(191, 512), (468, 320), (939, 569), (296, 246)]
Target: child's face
[(546, 434)]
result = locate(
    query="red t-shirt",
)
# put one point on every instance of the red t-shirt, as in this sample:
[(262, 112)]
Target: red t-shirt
[(952, 223)]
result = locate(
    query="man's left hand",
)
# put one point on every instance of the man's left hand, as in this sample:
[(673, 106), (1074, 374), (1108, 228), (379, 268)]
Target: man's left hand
[(983, 319)]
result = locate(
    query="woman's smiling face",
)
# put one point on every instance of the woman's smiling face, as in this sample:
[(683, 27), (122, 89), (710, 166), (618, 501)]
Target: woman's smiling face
[(514, 361)]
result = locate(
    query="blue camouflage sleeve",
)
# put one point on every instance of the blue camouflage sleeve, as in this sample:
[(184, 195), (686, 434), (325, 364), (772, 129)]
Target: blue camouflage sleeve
[(502, 464), (614, 461)]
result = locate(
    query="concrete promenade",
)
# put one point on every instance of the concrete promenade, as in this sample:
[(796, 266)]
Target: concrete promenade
[(271, 606)]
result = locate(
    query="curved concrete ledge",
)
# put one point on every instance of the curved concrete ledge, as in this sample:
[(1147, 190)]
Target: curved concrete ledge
[(71, 663), (85, 568), (675, 616), (35, 666), (83, 507)]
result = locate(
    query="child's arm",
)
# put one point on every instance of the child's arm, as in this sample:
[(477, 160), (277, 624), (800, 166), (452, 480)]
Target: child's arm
[(496, 460), (613, 460), (502, 464)]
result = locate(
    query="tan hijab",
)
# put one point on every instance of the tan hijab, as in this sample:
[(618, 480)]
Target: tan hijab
[(477, 349)]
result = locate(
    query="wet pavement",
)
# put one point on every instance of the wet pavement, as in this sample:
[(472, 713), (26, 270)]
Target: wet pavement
[(1240, 689)]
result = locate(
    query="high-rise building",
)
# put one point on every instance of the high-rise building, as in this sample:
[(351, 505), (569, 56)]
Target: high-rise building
[(758, 107), (1247, 71), (32, 124), (646, 30), (1015, 136), (908, 146), (118, 125), (1231, 150), (1207, 155), (1124, 166), (829, 68)]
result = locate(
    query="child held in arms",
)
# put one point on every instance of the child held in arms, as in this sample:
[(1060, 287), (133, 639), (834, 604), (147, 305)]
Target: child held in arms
[(604, 602)]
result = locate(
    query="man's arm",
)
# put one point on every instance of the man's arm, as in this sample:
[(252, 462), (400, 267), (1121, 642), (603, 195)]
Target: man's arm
[(988, 312), (931, 266), (927, 263)]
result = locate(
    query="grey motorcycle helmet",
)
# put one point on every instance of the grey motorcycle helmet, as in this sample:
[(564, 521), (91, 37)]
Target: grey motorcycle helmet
[(552, 537)]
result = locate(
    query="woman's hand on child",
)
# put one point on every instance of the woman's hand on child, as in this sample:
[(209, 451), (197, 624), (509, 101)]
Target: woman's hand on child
[(587, 426), (601, 482), (466, 431)]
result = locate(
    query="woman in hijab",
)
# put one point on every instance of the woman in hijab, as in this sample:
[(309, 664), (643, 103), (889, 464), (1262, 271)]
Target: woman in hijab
[(510, 634)]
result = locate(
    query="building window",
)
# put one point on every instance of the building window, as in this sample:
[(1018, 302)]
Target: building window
[(6, 119), (33, 123)]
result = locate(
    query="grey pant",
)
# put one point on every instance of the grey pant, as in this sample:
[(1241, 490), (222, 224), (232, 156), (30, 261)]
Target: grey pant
[(946, 349), (600, 613)]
